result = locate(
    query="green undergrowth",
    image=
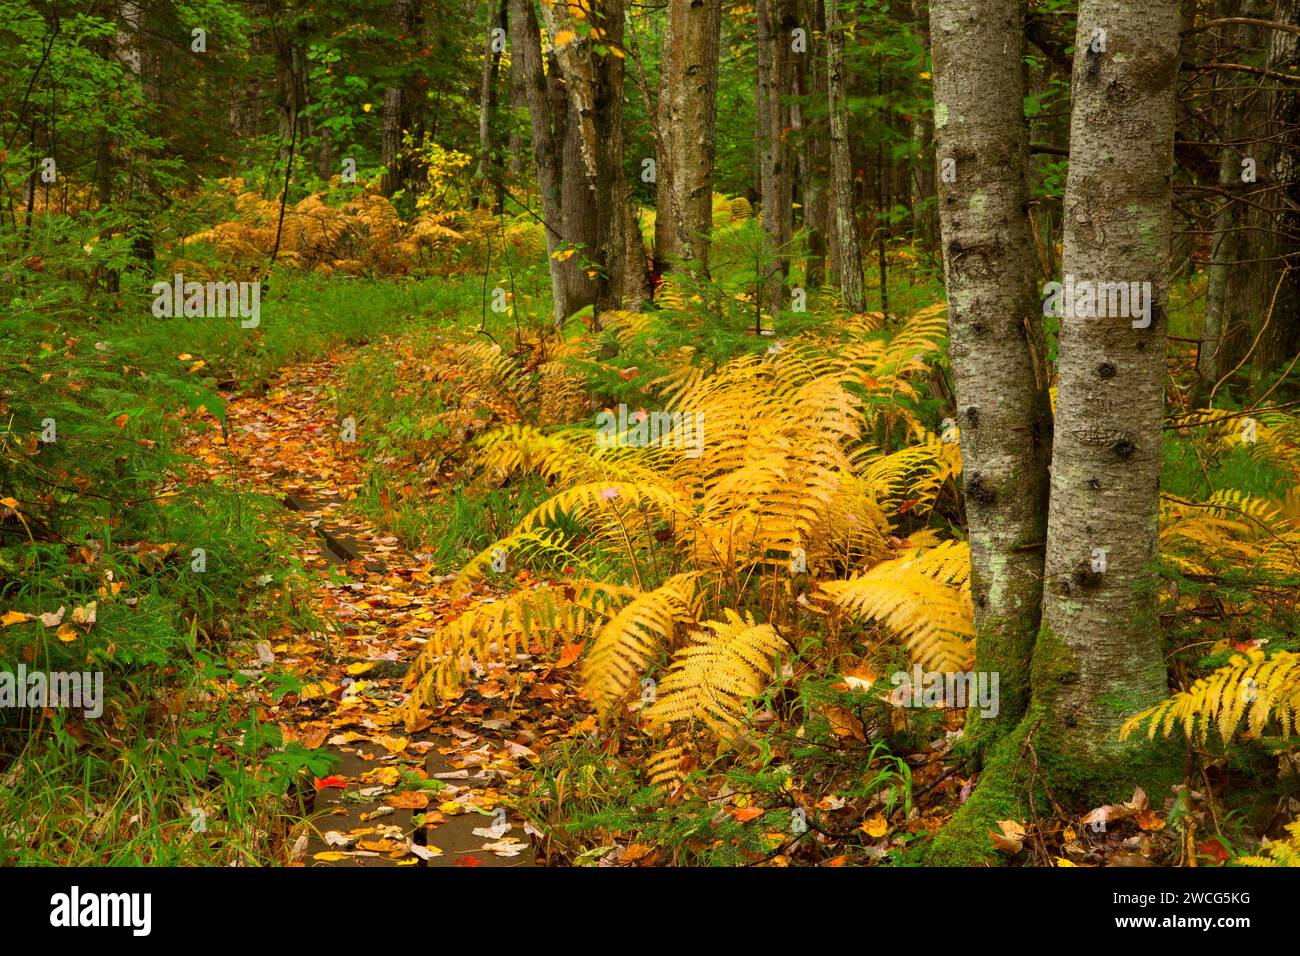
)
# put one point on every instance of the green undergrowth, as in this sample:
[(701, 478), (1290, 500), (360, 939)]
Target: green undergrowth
[(160, 586)]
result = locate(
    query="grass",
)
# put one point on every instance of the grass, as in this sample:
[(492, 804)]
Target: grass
[(178, 769)]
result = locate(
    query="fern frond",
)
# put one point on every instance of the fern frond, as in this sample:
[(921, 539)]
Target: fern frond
[(714, 678), (1253, 687), (498, 630), (923, 599), (623, 649), (523, 546), (1285, 852)]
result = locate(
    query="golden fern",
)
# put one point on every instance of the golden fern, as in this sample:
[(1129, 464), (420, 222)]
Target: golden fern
[(784, 468), (523, 546), (621, 652), (499, 630), (1253, 687), (1277, 852), (924, 598), (714, 677)]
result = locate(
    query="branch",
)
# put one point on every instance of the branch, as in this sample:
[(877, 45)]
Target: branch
[(1242, 21), (1240, 68)]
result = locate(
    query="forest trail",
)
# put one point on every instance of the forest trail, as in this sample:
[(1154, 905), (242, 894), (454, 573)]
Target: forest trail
[(430, 796)]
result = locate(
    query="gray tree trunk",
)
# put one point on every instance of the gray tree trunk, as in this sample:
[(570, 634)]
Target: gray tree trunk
[(1100, 654), (547, 111), (687, 122), (775, 23), (847, 246), (1234, 250), (815, 164), (995, 330), (1275, 297), (397, 110)]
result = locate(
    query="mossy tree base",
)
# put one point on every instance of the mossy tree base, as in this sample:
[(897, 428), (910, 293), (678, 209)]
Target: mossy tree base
[(1032, 773)]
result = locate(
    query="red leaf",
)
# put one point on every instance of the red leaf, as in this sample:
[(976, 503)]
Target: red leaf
[(333, 780), (1213, 848)]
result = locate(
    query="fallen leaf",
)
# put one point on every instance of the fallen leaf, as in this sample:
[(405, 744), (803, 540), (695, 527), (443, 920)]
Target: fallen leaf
[(876, 827), (1149, 820), (52, 618), (1012, 837), (407, 800)]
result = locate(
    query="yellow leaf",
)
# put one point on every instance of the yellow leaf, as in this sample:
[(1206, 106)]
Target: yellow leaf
[(1062, 861), (9, 503), (66, 633), (876, 827), (564, 37), (14, 617), (330, 856)]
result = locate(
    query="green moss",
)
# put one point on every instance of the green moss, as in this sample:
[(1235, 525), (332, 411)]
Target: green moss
[(1040, 763)]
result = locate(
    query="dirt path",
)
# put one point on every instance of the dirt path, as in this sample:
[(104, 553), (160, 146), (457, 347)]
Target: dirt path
[(381, 805)]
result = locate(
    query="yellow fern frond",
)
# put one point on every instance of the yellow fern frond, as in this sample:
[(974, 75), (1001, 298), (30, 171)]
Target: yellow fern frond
[(1253, 687), (499, 630), (623, 649), (923, 599), (1285, 852), (714, 678)]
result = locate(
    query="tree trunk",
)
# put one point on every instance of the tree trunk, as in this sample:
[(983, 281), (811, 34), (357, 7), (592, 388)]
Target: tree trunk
[(593, 80), (848, 255), (1276, 295), (488, 155), (1100, 653), (815, 162), (687, 123), (775, 24), (925, 212), (547, 111), (397, 110), (1235, 250), (995, 331)]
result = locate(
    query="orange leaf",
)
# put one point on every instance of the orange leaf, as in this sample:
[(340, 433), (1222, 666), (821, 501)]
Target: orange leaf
[(407, 800), (570, 654), (1149, 820)]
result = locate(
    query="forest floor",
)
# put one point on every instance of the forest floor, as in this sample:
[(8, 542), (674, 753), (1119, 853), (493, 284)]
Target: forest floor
[(435, 792)]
